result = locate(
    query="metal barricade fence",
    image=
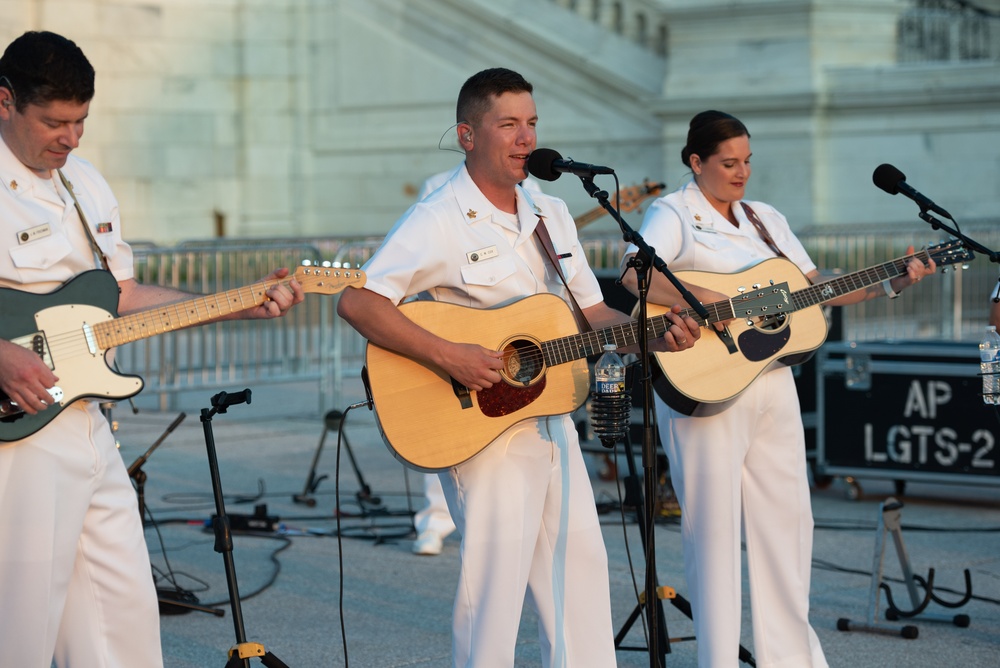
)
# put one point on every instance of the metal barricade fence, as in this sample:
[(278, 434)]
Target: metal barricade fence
[(349, 354), (295, 348), (951, 306), (313, 344)]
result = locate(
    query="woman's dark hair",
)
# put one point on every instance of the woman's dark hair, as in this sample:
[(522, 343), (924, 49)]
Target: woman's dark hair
[(40, 67), (709, 129), (478, 91)]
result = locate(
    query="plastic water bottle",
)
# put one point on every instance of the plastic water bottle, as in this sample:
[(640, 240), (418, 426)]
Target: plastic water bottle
[(610, 371), (989, 365), (610, 405)]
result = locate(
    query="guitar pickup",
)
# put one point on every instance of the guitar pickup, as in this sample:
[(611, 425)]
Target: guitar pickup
[(36, 343)]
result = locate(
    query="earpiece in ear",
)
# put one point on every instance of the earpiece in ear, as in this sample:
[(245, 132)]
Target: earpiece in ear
[(467, 136)]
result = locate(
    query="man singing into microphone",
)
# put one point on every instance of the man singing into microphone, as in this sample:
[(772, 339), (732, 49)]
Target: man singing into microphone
[(524, 504)]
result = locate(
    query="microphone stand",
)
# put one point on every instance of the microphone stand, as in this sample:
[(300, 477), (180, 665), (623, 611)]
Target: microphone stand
[(643, 261), (241, 653), (969, 243)]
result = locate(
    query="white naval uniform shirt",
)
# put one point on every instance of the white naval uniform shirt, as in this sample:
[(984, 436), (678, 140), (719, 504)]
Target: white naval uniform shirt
[(689, 234), (455, 247), (43, 239)]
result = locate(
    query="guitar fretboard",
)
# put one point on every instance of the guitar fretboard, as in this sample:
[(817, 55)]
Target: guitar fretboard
[(858, 280), (144, 324), (570, 348)]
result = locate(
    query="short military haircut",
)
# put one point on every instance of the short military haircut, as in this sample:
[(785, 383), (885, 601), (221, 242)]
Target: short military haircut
[(478, 91), (40, 67)]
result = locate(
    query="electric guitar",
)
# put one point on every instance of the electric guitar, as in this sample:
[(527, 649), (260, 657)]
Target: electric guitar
[(73, 327), (431, 422), (626, 199), (720, 369)]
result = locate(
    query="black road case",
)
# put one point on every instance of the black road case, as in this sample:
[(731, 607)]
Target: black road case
[(904, 411)]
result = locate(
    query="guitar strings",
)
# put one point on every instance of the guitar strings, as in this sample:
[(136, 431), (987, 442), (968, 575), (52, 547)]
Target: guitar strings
[(125, 329), (589, 343), (567, 349)]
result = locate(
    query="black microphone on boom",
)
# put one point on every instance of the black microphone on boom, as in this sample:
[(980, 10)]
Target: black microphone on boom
[(893, 181), (548, 165)]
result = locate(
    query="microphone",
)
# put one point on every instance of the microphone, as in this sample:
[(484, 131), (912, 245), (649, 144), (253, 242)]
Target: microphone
[(548, 165), (893, 181), (224, 400)]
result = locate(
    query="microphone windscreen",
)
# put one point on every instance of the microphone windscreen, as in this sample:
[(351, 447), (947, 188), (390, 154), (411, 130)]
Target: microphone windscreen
[(540, 164), (887, 178)]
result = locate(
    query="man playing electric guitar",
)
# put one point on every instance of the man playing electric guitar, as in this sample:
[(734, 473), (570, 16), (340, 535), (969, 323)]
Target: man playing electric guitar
[(75, 580), (523, 504)]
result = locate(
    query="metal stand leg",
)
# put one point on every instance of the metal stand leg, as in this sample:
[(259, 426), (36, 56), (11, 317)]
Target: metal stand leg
[(633, 490), (889, 507), (332, 422), (889, 521)]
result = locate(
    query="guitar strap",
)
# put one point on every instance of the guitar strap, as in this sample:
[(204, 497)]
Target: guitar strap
[(99, 257), (761, 230), (546, 241)]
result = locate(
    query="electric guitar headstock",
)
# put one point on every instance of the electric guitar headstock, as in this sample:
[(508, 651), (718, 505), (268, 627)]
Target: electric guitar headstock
[(328, 278), (626, 199)]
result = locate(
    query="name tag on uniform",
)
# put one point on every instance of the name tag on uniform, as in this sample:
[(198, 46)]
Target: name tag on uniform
[(33, 233), (482, 254)]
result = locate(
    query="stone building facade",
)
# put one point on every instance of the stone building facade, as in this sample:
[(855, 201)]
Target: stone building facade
[(274, 118)]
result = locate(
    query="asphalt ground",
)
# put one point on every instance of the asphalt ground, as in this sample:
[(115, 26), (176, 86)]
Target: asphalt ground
[(327, 590)]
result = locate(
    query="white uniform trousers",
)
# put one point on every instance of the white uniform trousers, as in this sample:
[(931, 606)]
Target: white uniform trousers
[(746, 464), (434, 516), (526, 512), (75, 578)]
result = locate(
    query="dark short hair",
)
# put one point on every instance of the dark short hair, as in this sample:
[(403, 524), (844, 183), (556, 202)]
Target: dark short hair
[(709, 129), (39, 67), (478, 91)]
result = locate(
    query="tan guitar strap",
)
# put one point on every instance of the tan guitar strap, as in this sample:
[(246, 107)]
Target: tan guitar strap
[(99, 257), (546, 241), (761, 230)]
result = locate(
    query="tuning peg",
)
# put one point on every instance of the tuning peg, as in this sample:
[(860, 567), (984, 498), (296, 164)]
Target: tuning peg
[(307, 263)]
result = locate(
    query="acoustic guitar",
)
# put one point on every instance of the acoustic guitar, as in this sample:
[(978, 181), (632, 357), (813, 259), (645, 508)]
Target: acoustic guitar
[(431, 422), (718, 370)]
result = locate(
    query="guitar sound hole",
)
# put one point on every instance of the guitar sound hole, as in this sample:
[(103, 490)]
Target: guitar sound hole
[(771, 323), (523, 363)]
